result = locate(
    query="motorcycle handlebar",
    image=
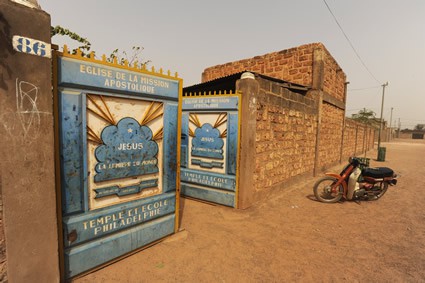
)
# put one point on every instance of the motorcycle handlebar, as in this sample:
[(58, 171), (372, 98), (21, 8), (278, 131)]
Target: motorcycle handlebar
[(356, 160)]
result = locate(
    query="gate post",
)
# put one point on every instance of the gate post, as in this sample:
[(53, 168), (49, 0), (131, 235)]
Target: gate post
[(27, 179), (249, 87)]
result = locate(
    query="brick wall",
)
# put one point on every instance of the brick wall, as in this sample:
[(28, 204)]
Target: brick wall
[(350, 133), (358, 139), (286, 127), (371, 132), (332, 119), (334, 77), (296, 65)]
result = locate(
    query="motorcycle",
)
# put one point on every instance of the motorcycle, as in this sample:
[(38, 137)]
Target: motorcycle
[(355, 182)]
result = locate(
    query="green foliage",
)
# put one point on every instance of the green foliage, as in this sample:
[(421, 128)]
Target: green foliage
[(364, 116), (85, 48)]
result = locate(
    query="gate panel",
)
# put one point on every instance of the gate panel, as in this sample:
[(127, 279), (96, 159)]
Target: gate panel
[(118, 159), (209, 148)]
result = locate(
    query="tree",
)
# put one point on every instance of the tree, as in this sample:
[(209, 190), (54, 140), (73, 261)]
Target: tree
[(364, 116), (419, 127)]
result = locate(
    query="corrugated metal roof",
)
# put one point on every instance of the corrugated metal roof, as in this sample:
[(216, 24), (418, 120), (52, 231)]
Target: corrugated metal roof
[(228, 83)]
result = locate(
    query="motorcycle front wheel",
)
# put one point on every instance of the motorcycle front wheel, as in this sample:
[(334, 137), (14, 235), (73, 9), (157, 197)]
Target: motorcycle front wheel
[(325, 191)]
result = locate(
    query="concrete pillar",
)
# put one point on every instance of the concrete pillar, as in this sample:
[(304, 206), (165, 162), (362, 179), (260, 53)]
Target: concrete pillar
[(27, 178), (249, 88), (343, 123), (318, 68), (319, 105), (317, 94)]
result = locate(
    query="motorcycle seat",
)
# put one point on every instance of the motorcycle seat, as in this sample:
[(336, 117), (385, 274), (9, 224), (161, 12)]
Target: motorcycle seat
[(378, 172)]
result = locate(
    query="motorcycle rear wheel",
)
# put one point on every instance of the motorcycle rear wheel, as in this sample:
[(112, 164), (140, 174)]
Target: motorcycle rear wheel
[(384, 187), (323, 190)]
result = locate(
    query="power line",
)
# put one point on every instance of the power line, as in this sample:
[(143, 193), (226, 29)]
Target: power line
[(358, 109), (365, 88), (349, 41)]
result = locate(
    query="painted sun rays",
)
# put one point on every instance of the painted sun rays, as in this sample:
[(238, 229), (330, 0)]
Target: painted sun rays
[(99, 107), (221, 119)]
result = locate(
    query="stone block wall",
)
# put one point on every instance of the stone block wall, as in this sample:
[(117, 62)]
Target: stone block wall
[(349, 139), (358, 139), (295, 136), (285, 135), (334, 78), (332, 121), (369, 138)]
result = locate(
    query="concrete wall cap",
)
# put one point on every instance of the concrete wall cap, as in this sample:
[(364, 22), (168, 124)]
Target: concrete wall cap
[(28, 3), (247, 75)]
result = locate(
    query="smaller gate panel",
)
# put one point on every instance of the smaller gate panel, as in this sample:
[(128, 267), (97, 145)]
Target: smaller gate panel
[(209, 148)]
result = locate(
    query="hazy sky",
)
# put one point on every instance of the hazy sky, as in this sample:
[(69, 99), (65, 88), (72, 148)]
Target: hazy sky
[(188, 36)]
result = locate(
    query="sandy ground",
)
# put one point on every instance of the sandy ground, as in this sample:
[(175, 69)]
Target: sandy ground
[(293, 238)]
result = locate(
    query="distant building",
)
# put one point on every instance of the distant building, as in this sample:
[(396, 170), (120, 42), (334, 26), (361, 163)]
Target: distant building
[(412, 134)]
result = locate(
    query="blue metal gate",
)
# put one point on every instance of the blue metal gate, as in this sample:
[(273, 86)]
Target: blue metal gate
[(210, 147), (118, 146)]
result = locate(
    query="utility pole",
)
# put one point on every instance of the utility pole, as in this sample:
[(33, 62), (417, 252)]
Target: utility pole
[(391, 129), (380, 124)]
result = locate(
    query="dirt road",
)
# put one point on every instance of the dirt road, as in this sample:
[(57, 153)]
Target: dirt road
[(293, 238)]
